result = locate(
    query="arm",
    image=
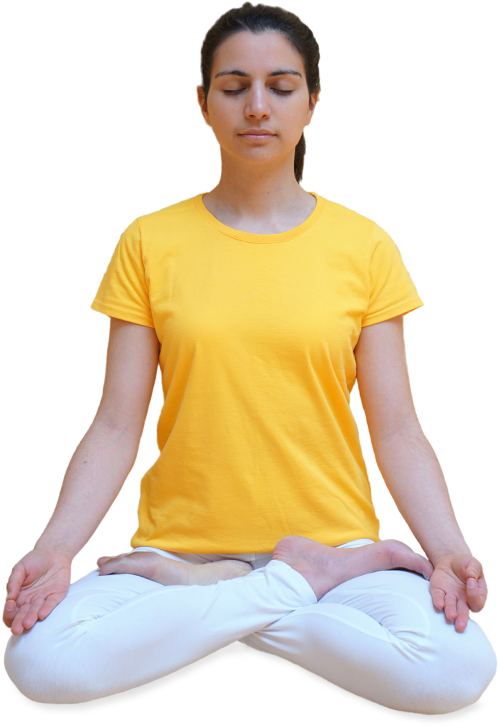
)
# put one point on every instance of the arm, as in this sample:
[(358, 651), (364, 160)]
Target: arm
[(414, 477), (40, 580), (107, 452), (415, 480), (93, 479), (405, 457), (411, 470)]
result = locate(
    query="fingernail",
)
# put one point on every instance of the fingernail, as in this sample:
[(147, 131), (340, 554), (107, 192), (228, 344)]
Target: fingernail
[(471, 582), (10, 606)]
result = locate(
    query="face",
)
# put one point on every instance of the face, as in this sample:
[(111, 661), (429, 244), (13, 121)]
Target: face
[(244, 96)]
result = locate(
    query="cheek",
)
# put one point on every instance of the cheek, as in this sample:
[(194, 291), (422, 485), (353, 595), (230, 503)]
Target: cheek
[(224, 120)]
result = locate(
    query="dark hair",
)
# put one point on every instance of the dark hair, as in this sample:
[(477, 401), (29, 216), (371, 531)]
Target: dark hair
[(257, 19)]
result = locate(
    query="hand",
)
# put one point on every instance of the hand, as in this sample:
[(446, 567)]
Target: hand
[(36, 585), (457, 585)]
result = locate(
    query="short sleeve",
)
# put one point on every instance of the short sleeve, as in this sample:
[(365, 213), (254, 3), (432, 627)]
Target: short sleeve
[(391, 289), (123, 292)]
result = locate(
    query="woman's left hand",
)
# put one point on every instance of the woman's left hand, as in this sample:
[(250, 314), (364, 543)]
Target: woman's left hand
[(457, 585)]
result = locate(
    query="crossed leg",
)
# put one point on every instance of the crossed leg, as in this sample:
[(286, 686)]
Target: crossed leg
[(379, 636)]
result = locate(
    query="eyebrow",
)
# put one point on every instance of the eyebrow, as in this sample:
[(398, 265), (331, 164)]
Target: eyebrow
[(280, 72)]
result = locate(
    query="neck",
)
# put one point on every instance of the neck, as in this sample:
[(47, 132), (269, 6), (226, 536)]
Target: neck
[(245, 191)]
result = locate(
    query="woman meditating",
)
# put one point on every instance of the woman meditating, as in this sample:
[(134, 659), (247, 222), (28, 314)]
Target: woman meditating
[(262, 304)]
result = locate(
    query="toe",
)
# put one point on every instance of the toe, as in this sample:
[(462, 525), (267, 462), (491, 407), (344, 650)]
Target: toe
[(101, 560), (243, 568)]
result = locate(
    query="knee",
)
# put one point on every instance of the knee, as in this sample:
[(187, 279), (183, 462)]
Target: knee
[(44, 669), (476, 669), (19, 665), (464, 668), (24, 666)]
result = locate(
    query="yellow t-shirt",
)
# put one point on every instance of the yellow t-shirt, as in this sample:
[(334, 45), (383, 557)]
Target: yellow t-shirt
[(257, 334)]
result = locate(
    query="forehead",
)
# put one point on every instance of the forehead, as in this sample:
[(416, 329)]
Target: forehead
[(257, 54)]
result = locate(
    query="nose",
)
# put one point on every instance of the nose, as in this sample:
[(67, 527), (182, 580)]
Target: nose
[(258, 105)]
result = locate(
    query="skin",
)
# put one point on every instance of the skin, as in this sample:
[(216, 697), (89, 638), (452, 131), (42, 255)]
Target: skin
[(258, 191)]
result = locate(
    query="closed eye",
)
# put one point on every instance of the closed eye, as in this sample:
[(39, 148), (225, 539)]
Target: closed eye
[(277, 90)]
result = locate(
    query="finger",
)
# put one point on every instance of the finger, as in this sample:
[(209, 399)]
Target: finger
[(477, 592), (462, 617), (27, 616), (10, 608), (472, 588), (473, 570), (450, 606), (15, 581), (32, 616), (443, 602), (473, 593), (8, 615), (438, 597), (49, 605), (474, 579), (17, 626)]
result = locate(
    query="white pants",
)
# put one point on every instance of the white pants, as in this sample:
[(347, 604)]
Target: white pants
[(378, 635)]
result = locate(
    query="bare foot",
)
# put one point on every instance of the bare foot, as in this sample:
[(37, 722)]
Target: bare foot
[(326, 567), (171, 572)]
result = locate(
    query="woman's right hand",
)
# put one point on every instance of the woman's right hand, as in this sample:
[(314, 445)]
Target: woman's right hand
[(38, 583)]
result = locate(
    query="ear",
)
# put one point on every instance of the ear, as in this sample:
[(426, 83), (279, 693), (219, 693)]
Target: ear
[(203, 104), (314, 101)]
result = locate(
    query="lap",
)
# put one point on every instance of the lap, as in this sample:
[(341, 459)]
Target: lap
[(379, 636), (394, 603), (391, 605), (122, 585), (97, 594)]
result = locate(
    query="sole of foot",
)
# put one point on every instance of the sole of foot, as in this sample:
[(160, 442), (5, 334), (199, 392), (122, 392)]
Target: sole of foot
[(325, 567), (171, 572)]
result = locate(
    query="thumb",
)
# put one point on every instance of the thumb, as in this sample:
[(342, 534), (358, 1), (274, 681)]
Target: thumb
[(467, 567)]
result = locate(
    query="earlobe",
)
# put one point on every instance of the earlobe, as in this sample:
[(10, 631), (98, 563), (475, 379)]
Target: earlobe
[(200, 104)]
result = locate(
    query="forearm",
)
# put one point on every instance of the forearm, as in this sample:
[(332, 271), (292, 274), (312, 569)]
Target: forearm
[(415, 480), (96, 473)]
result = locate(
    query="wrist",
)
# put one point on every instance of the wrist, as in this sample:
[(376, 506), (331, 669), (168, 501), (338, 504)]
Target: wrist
[(448, 555), (59, 549)]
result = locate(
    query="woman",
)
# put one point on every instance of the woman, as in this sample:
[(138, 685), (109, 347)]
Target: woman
[(262, 304)]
